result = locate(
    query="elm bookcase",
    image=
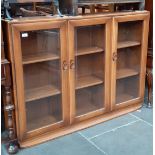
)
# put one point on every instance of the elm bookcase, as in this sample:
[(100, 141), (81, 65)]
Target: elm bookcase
[(71, 73)]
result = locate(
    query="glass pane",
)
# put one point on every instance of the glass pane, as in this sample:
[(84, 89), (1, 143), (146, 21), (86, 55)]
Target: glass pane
[(130, 31), (43, 112), (128, 60), (40, 46), (89, 47), (127, 89), (42, 77)]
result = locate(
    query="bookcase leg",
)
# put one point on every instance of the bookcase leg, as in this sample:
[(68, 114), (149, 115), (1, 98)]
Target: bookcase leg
[(12, 147), (149, 83)]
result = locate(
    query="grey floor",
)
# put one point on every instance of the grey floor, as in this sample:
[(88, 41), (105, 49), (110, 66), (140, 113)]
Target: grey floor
[(131, 134)]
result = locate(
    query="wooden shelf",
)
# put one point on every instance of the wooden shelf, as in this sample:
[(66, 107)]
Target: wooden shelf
[(86, 108), (125, 44), (42, 122), (125, 72), (87, 81), (89, 50), (41, 92), (39, 57), (123, 98)]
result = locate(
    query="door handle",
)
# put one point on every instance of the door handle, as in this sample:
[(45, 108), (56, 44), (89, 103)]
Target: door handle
[(114, 57), (65, 65), (72, 64)]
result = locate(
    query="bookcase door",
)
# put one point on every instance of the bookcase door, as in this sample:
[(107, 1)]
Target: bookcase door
[(41, 73), (89, 50), (129, 59)]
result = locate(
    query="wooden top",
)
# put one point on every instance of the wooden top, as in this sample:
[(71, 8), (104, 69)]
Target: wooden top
[(87, 2), (28, 1), (56, 18)]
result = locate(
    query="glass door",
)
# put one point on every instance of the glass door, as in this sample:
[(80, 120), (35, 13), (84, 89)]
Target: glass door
[(129, 60), (90, 55), (42, 80)]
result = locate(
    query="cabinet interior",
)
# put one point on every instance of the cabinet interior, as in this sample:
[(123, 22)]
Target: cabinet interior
[(128, 60), (43, 112), (129, 33), (89, 99), (41, 45), (127, 89), (42, 80), (89, 57), (89, 39)]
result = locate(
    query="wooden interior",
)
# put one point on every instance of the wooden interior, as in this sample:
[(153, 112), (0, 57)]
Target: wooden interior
[(128, 60), (41, 80), (76, 66), (90, 37), (89, 56), (89, 99), (43, 112), (127, 89), (38, 46), (130, 31)]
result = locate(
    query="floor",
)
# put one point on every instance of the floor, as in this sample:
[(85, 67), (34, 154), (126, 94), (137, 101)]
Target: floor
[(131, 134)]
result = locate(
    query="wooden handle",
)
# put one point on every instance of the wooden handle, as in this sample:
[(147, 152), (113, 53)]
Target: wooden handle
[(65, 65), (72, 64), (114, 57)]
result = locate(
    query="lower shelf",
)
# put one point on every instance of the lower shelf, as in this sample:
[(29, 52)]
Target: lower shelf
[(124, 97), (84, 108), (42, 122)]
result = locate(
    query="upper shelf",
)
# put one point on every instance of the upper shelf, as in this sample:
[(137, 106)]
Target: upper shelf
[(89, 50), (124, 44), (41, 92), (39, 57)]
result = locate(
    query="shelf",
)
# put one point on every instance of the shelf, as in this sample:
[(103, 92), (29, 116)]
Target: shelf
[(42, 122), (88, 81), (39, 57), (123, 97), (125, 44), (41, 92), (86, 107), (88, 50), (127, 72)]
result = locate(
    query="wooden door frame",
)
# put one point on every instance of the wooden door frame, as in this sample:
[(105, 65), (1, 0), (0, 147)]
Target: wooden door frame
[(71, 26), (144, 42), (18, 72)]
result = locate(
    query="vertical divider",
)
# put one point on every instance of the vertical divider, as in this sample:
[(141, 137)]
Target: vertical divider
[(107, 75), (64, 73), (71, 71), (113, 63)]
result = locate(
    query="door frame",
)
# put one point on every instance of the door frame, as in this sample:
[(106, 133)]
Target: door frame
[(144, 42), (71, 26), (19, 81)]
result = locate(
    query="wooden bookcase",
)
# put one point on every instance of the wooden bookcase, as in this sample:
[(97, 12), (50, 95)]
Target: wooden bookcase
[(74, 72)]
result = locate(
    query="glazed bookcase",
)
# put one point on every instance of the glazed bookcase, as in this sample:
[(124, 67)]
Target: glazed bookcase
[(74, 72)]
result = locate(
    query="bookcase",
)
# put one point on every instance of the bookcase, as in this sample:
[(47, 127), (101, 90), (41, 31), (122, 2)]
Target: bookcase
[(74, 72)]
